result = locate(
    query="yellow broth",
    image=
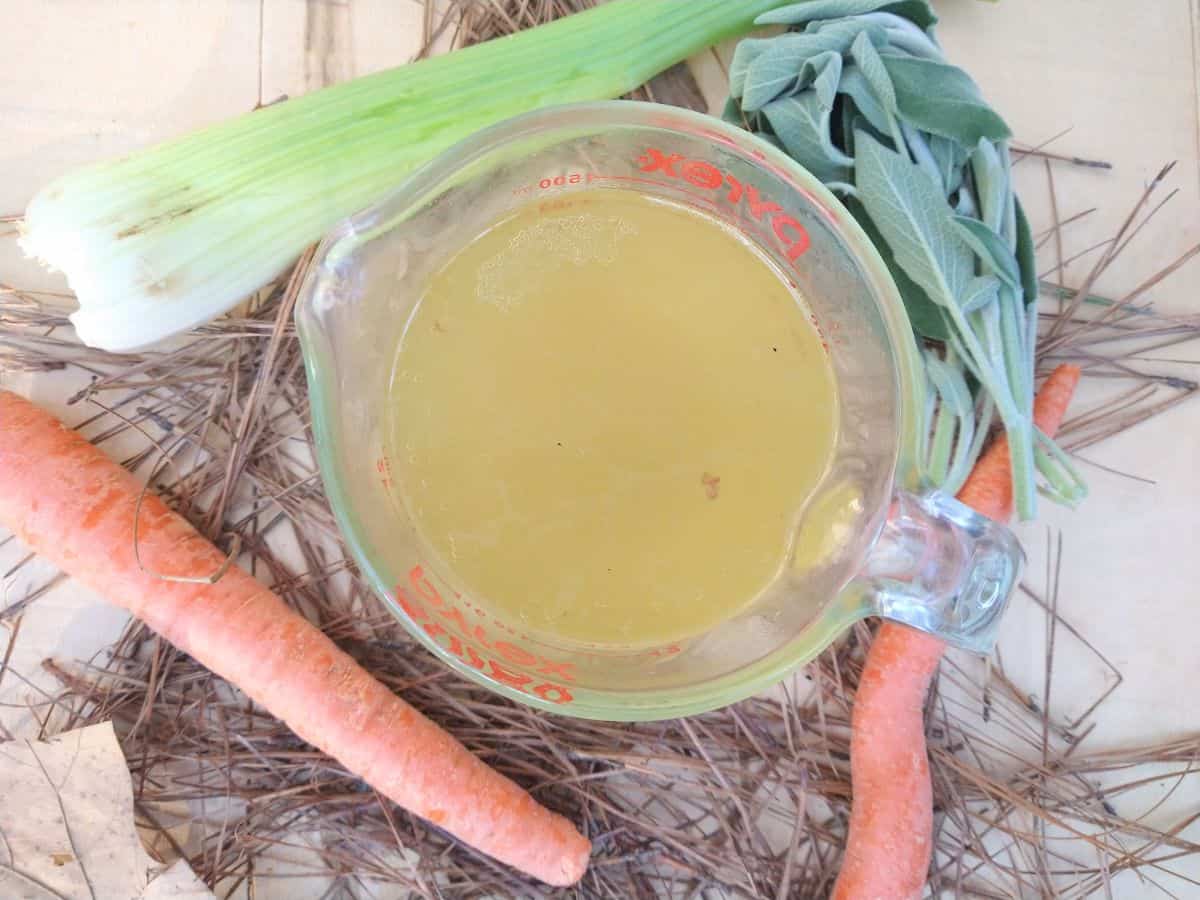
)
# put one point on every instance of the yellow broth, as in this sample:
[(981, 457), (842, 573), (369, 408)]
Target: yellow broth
[(607, 413)]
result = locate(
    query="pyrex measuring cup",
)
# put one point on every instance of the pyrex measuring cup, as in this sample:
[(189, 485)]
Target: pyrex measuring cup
[(898, 550)]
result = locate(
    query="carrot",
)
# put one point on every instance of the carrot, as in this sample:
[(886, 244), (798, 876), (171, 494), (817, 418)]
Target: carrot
[(988, 489), (71, 504), (891, 820)]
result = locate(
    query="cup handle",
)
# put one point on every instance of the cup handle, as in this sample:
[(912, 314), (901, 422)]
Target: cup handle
[(940, 567)]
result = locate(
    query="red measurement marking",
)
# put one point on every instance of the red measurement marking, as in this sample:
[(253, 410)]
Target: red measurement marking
[(820, 333), (786, 230), (505, 662), (662, 652), (383, 466), (699, 175), (561, 180)]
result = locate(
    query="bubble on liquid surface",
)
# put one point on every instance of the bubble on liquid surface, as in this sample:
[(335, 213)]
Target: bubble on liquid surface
[(547, 246)]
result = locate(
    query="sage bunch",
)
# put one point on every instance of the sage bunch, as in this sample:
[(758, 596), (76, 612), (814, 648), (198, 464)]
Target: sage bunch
[(860, 93)]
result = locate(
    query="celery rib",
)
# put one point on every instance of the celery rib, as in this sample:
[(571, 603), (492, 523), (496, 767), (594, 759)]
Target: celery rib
[(172, 236)]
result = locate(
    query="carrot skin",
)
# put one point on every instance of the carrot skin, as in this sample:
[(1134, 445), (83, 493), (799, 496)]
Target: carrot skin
[(72, 505), (891, 818), (988, 489), (889, 844)]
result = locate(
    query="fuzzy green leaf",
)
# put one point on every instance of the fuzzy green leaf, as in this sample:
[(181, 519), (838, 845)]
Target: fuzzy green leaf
[(918, 150), (870, 63), (979, 293), (921, 144), (802, 125), (910, 211), (925, 316), (1025, 255), (826, 72), (744, 55), (964, 201), (918, 11), (991, 249), (943, 100), (991, 184), (781, 69), (903, 35), (950, 157), (855, 86), (1008, 220)]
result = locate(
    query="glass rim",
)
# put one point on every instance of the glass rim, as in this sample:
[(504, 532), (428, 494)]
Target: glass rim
[(651, 703)]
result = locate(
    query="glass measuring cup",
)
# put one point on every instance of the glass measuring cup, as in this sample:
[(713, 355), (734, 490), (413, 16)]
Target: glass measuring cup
[(897, 549)]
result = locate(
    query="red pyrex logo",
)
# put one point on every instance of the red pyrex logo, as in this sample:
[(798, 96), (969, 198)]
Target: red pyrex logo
[(791, 234)]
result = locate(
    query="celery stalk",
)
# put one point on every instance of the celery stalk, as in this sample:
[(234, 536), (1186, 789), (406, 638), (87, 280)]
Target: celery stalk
[(172, 236)]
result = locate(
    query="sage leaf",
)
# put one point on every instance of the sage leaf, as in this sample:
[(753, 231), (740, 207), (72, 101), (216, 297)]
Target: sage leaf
[(951, 386), (950, 157), (847, 114), (802, 125), (918, 151), (991, 184), (952, 429), (1016, 354), (925, 316), (747, 52), (855, 86), (859, 123), (987, 322), (1008, 226), (859, 92), (863, 52), (964, 201), (825, 70), (909, 209), (1025, 255), (1063, 481), (918, 11), (991, 249), (780, 69), (980, 292), (904, 35), (943, 100)]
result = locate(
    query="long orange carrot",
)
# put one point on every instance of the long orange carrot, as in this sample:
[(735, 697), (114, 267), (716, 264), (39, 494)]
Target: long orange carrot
[(71, 504), (891, 820)]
